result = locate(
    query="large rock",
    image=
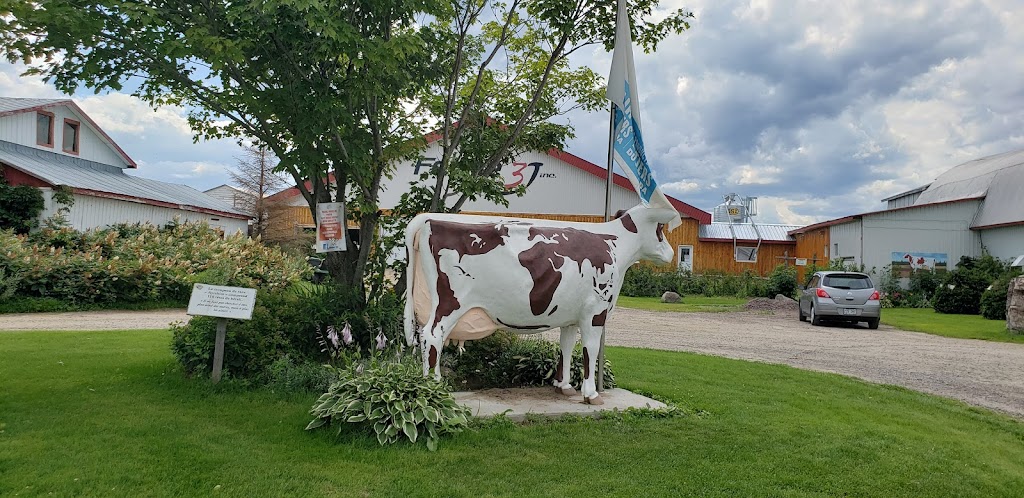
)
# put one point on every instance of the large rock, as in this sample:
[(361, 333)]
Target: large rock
[(1015, 306), (785, 299), (670, 297)]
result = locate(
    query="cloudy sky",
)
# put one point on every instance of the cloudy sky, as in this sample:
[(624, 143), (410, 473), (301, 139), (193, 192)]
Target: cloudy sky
[(818, 108)]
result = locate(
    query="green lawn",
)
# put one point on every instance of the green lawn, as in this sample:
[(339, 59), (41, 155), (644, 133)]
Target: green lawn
[(690, 303), (108, 414), (960, 326)]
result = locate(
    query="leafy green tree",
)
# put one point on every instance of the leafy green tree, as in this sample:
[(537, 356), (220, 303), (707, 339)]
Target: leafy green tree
[(341, 89), (19, 206)]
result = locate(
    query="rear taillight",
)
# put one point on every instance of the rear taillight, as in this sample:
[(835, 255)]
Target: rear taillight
[(822, 293), (874, 296)]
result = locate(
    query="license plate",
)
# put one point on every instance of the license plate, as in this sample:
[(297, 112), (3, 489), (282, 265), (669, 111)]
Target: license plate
[(851, 311)]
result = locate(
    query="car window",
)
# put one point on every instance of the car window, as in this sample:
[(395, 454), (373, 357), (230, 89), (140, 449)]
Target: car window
[(848, 282), (813, 283)]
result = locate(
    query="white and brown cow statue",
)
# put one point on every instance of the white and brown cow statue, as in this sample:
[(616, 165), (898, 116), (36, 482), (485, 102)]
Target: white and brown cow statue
[(472, 275)]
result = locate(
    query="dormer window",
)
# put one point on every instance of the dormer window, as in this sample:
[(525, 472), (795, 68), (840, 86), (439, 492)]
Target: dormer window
[(44, 128), (70, 143)]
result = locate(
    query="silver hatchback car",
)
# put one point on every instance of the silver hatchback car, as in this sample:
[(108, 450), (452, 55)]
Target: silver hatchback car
[(840, 296)]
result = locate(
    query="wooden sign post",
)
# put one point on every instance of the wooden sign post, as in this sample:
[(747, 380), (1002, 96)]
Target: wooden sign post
[(221, 302)]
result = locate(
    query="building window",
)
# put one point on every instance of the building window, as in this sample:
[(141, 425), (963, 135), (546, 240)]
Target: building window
[(746, 254), (836, 252), (44, 128), (71, 138)]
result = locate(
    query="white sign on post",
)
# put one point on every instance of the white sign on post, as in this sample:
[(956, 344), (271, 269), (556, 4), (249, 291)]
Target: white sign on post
[(801, 261), (222, 302)]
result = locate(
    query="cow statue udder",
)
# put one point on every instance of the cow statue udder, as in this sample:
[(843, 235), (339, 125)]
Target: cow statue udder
[(472, 275)]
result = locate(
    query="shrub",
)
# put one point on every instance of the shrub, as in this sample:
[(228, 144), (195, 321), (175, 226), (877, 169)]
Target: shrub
[(960, 293), (646, 281), (277, 329), (393, 400), (782, 280), (19, 206), (924, 283), (504, 359), (993, 300), (296, 376), (135, 263)]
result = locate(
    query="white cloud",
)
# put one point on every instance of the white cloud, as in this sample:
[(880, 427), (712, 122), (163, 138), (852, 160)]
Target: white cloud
[(681, 186), (748, 175), (124, 113)]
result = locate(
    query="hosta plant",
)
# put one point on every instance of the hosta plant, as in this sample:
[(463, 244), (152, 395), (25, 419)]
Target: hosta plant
[(395, 401)]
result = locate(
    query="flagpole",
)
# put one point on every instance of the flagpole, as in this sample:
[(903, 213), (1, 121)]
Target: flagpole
[(607, 215)]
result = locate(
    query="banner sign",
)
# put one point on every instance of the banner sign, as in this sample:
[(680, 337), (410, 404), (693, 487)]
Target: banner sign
[(330, 227), (627, 140), (905, 263)]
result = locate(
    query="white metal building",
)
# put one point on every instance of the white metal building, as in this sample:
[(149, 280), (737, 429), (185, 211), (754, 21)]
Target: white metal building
[(48, 143), (972, 209)]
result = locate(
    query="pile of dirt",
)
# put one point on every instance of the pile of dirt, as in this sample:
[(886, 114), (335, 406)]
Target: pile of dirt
[(766, 304)]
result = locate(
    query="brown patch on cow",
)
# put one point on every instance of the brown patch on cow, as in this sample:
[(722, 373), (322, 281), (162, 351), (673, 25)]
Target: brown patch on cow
[(661, 233), (523, 327), (545, 258), (465, 239), (543, 265), (433, 356), (586, 364), (552, 312), (627, 222), (600, 319), (558, 371)]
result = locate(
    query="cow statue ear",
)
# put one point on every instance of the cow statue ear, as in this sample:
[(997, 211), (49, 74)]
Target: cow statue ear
[(618, 214)]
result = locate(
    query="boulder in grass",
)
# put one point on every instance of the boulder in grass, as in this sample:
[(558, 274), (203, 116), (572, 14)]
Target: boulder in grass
[(780, 297), (671, 297), (1015, 306)]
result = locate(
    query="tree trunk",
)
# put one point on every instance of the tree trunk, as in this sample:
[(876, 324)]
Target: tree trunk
[(1015, 306)]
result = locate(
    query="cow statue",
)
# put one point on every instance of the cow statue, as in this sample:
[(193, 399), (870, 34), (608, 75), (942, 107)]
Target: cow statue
[(472, 275)]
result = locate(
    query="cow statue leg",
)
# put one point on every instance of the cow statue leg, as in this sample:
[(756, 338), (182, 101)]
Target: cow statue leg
[(563, 371), (431, 342), (591, 338)]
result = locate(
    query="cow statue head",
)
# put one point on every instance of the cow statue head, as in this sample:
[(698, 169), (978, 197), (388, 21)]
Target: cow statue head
[(650, 223)]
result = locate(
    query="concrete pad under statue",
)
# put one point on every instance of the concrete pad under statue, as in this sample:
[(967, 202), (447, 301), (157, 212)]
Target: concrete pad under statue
[(547, 402)]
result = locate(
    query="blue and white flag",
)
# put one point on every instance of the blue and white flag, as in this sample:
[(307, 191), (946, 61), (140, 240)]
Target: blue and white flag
[(627, 139)]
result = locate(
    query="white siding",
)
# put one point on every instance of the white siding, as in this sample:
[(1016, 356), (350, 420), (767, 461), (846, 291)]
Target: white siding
[(559, 188), (1004, 243), (21, 129), (231, 196), (943, 228), (98, 212), (846, 241)]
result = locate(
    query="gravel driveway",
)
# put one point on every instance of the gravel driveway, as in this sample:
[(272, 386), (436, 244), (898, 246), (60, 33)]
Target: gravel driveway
[(988, 374)]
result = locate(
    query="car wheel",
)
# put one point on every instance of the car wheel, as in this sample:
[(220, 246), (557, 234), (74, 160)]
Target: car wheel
[(814, 317), (873, 323)]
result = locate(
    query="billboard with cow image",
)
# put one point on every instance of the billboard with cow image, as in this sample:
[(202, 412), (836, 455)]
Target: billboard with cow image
[(905, 263)]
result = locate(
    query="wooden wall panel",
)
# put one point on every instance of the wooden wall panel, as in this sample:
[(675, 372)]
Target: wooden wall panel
[(718, 256), (813, 246)]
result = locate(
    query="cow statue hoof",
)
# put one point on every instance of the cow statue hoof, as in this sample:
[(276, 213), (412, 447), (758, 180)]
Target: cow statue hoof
[(567, 390), (596, 400)]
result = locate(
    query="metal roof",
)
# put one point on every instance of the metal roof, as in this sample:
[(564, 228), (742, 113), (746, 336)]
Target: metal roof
[(745, 231), (77, 173), (904, 194), (999, 179), (8, 104)]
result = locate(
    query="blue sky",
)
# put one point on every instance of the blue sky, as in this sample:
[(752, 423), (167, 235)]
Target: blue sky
[(819, 108)]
